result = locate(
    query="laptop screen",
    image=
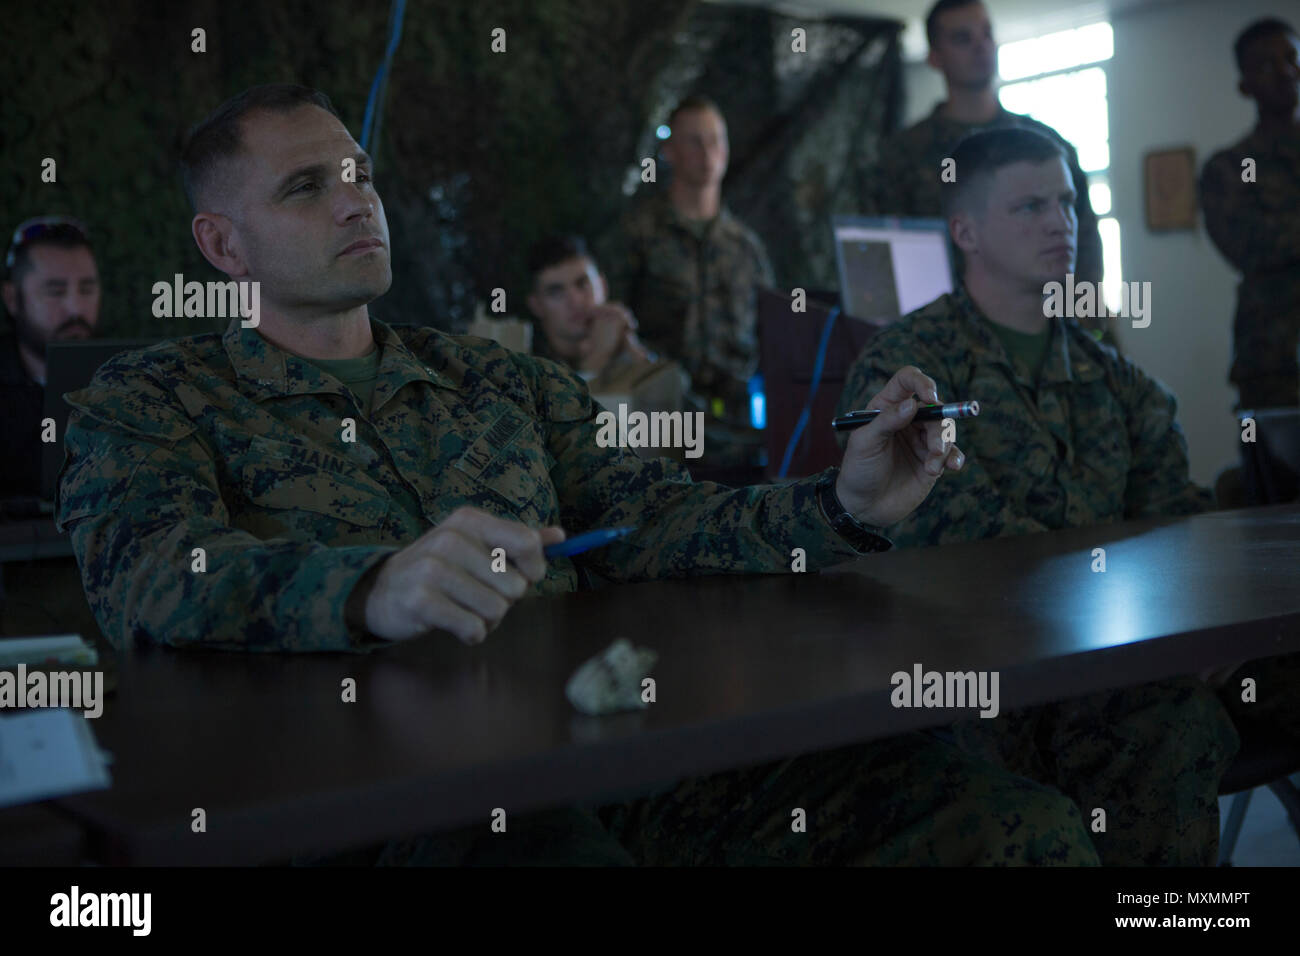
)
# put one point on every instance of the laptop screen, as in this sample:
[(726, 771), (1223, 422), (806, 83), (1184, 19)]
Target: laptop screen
[(890, 267), (69, 366)]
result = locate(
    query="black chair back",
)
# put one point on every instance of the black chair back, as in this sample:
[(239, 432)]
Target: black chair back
[(1271, 463), (788, 343)]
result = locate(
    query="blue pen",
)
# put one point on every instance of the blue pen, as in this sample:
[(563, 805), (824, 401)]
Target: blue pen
[(585, 542)]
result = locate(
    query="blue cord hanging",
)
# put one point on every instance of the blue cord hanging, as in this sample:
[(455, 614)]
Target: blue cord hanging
[(375, 102), (812, 392)]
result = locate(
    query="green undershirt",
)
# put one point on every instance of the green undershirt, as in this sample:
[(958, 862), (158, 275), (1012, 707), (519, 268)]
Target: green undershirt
[(358, 374), (1027, 351)]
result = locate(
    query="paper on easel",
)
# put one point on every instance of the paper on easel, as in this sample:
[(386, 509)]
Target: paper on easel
[(46, 754)]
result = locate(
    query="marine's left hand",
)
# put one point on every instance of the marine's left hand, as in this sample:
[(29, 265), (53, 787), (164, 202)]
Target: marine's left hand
[(891, 464)]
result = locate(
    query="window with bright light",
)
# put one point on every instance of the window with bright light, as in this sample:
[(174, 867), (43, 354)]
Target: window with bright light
[(1056, 52), (1055, 79)]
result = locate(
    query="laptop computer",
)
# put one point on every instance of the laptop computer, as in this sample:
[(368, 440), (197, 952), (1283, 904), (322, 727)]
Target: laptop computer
[(69, 366), (890, 267)]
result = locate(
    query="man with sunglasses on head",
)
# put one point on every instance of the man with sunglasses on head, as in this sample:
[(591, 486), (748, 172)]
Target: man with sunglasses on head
[(51, 291)]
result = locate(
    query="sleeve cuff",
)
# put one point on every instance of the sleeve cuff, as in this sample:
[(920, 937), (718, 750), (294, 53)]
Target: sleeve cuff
[(862, 538), (352, 613), (812, 529)]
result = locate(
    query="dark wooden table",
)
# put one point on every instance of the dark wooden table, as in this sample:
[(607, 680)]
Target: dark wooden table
[(29, 539), (750, 669)]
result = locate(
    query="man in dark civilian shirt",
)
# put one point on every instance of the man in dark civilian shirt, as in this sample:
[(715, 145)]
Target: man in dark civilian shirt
[(51, 291)]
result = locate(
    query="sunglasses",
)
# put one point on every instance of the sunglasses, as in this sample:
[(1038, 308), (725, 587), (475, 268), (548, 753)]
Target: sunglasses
[(39, 227)]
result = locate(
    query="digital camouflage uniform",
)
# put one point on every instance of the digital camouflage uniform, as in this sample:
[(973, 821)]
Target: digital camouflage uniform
[(1094, 440), (906, 179), (229, 443), (1256, 226), (695, 298)]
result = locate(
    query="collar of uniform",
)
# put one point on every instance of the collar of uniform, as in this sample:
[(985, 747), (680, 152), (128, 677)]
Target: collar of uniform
[(1066, 361), (999, 119), (1274, 137), (270, 370), (724, 222), (983, 345)]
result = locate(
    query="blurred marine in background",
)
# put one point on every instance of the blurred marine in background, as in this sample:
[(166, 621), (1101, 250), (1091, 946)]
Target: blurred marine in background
[(690, 271), (1251, 196)]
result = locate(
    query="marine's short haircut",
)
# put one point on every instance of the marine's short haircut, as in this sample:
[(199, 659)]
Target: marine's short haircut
[(1257, 31), (932, 18), (695, 101), (978, 156), (554, 249), (216, 140)]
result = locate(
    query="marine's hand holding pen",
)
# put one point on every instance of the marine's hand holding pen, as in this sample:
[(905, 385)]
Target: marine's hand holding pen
[(449, 580), (893, 460), (446, 578)]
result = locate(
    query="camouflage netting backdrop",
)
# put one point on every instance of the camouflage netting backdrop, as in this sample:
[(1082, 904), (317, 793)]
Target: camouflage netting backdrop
[(480, 153)]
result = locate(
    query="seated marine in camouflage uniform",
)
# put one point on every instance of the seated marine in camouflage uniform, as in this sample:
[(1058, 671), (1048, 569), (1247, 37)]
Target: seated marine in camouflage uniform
[(575, 323), (1069, 434), (232, 443)]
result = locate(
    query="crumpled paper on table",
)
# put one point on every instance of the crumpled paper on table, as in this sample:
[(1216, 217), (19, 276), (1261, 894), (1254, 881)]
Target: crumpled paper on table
[(611, 681)]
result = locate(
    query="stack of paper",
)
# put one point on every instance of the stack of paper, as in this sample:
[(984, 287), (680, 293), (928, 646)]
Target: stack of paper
[(48, 753)]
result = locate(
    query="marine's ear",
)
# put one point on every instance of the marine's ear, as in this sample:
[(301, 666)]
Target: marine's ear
[(214, 235), (961, 226)]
